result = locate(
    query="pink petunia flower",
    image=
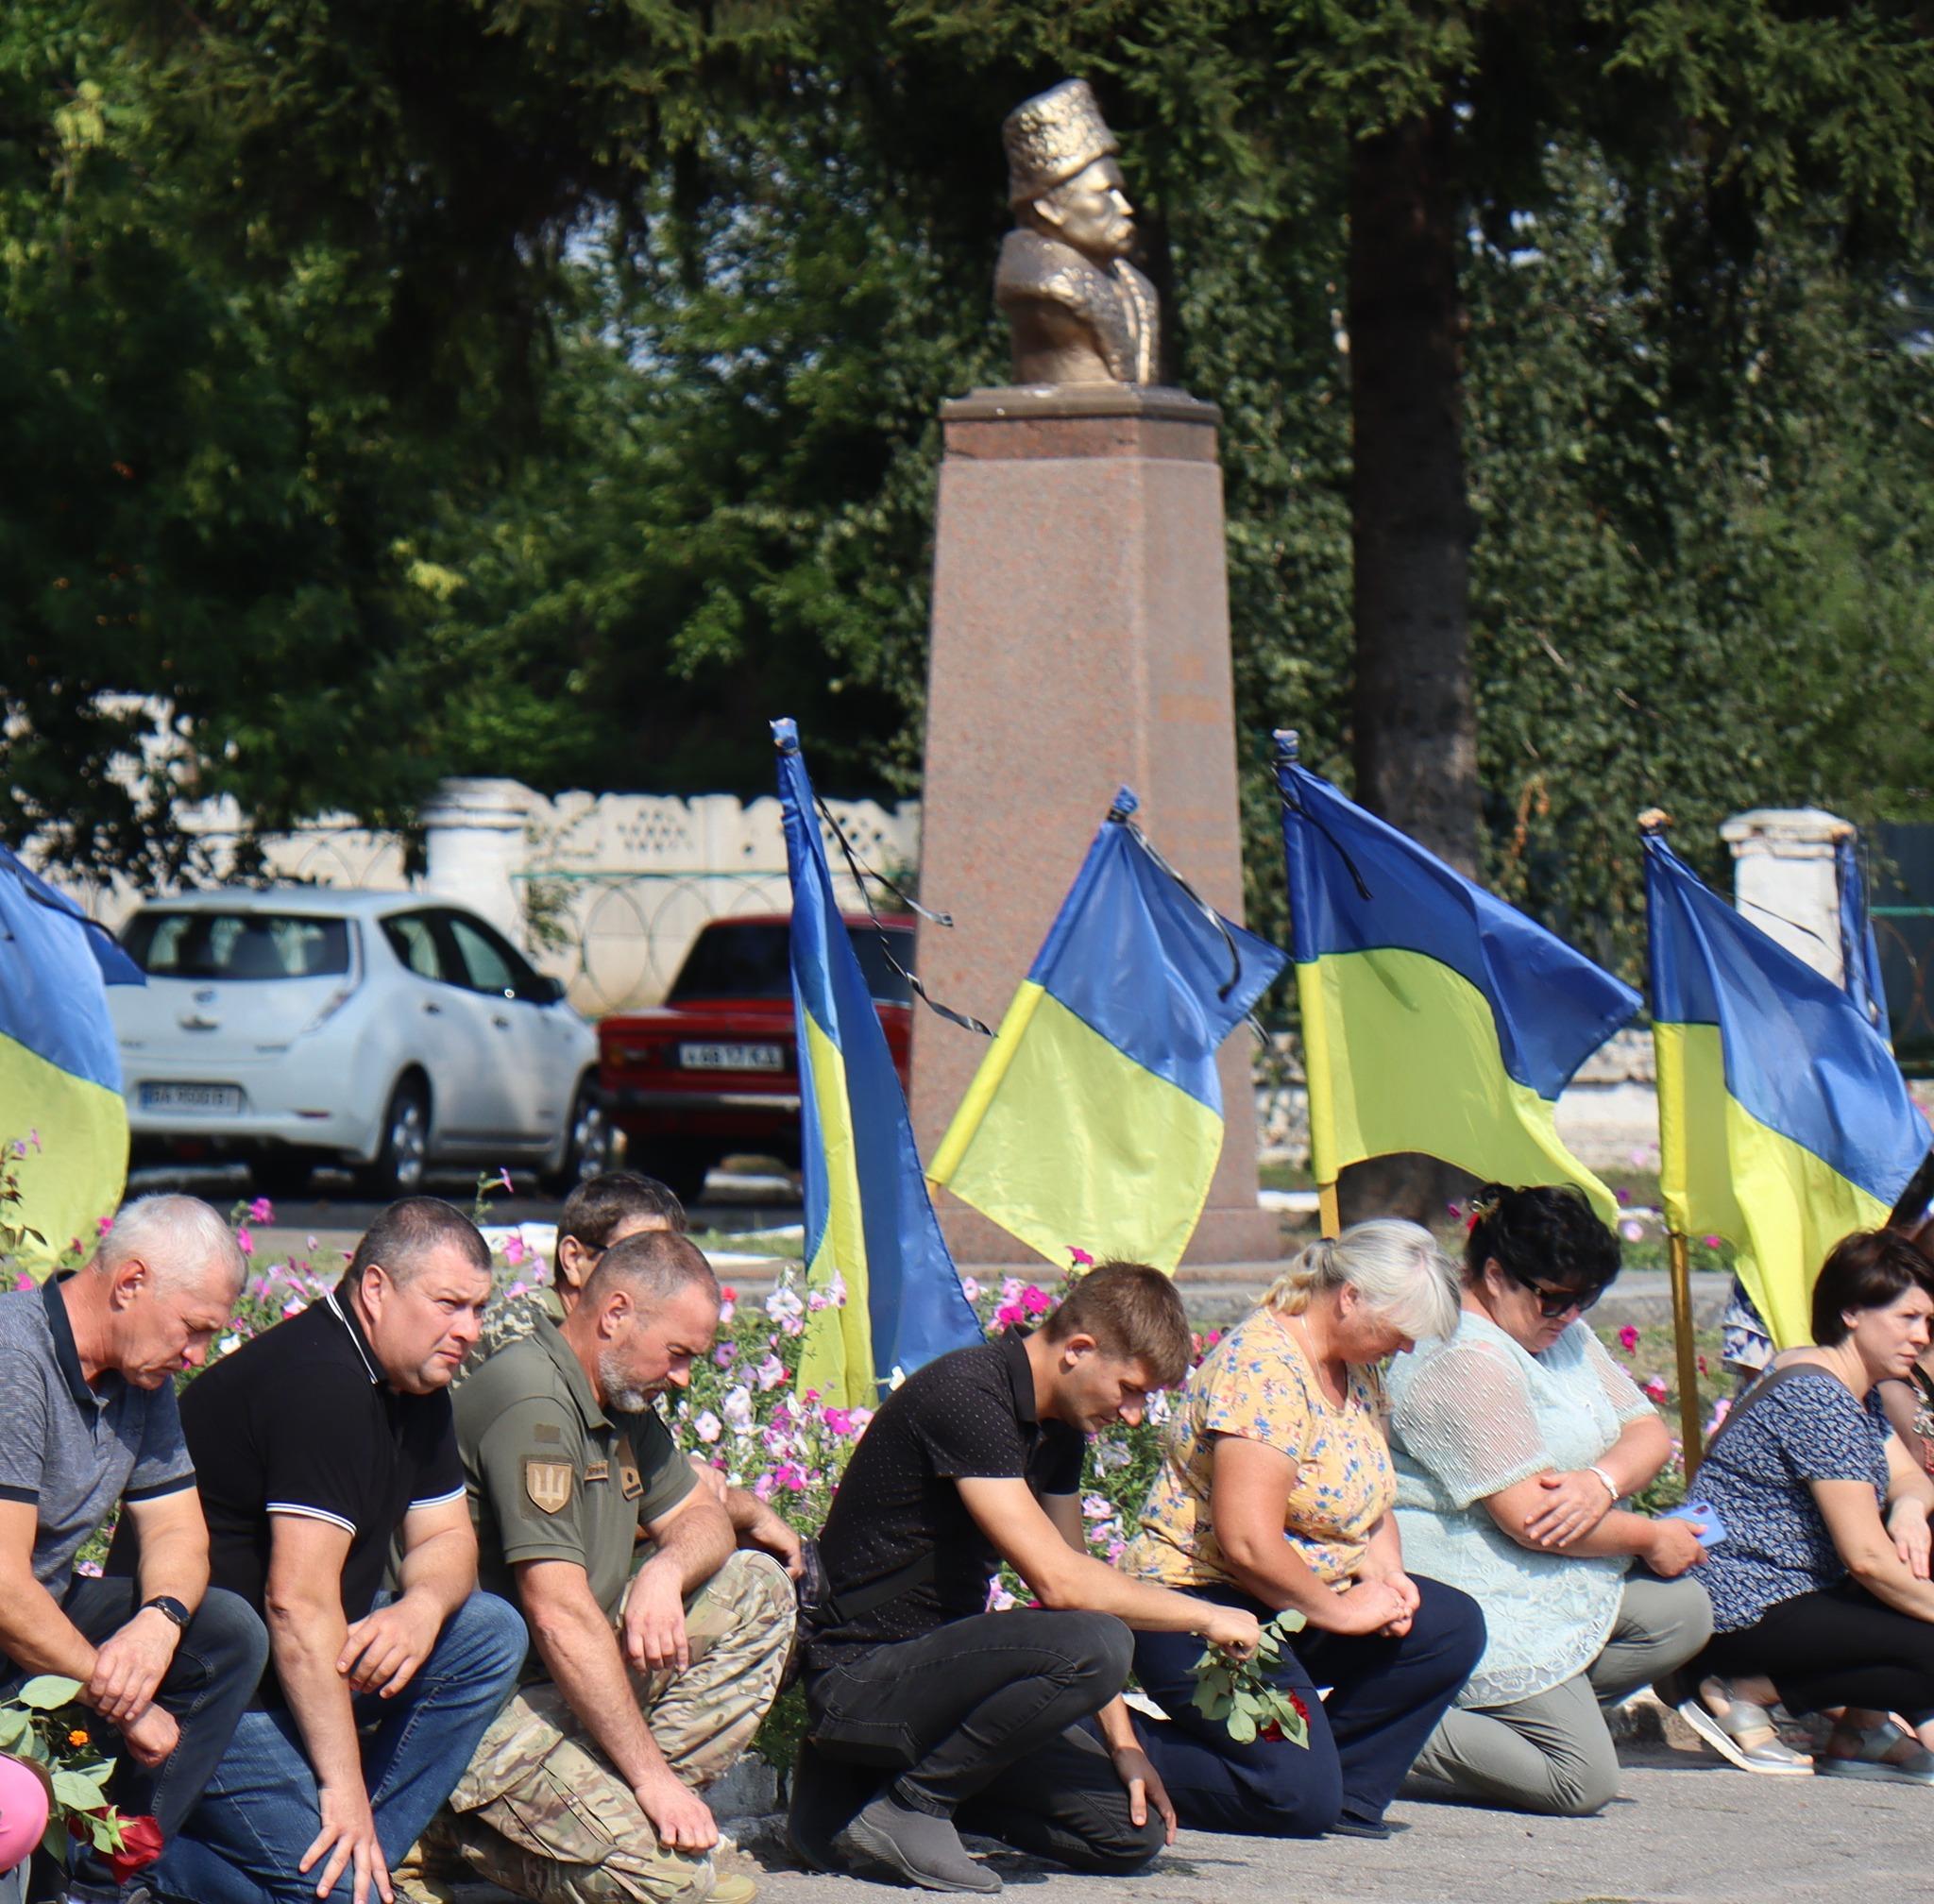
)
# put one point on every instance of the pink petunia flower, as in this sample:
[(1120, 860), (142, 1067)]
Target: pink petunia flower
[(262, 1210), (1628, 1338), (103, 1225), (513, 1249), (245, 1242), (1009, 1313), (1080, 1258), (1655, 1386), (503, 1178), (1036, 1302)]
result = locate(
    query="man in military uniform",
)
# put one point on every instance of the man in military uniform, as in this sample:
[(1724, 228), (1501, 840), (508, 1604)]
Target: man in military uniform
[(601, 1210), (649, 1683), (1079, 312)]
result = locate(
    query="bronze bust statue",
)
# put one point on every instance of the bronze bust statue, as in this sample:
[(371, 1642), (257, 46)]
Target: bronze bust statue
[(1077, 310)]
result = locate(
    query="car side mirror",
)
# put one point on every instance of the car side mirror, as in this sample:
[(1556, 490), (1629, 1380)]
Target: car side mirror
[(543, 989)]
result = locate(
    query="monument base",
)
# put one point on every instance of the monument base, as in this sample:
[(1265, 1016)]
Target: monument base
[(1080, 642)]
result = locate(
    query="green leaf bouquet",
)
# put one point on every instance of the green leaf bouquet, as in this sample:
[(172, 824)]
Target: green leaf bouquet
[(1239, 1691)]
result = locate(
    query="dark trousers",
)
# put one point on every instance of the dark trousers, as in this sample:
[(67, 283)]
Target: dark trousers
[(979, 1720), (1385, 1700), (1836, 1647), (217, 1662)]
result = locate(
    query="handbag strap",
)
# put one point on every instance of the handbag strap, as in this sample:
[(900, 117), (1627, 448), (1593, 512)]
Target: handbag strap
[(1758, 1392)]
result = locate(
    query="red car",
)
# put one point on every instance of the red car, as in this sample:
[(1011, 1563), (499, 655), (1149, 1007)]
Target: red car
[(712, 1072)]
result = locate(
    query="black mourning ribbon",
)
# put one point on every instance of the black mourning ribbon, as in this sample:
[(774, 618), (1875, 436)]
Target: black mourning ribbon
[(862, 874)]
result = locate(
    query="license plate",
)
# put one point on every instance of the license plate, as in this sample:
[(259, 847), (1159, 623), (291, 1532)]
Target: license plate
[(731, 1058), (210, 1099)]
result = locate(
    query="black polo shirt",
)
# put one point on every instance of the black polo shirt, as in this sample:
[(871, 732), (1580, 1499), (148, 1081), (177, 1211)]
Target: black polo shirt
[(969, 1415), (300, 1421)]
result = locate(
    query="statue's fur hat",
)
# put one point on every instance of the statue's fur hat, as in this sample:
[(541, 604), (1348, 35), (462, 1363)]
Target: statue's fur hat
[(1052, 137)]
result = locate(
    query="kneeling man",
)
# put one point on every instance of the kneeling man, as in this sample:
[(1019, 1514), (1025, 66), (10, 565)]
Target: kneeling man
[(87, 1423), (921, 1708), (650, 1683), (317, 1445)]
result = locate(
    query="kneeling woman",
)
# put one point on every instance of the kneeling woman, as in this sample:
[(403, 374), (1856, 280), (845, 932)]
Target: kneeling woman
[(1516, 1439), (1820, 1602), (1275, 1492)]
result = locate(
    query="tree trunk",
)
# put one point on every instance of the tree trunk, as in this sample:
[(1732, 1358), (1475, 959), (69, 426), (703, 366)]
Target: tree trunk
[(1415, 729)]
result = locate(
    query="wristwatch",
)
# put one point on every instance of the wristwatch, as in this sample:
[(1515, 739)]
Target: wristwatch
[(168, 1607)]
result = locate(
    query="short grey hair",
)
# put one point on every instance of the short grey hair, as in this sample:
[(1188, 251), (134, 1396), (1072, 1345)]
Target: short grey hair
[(653, 1265), (1396, 1267), (183, 1240)]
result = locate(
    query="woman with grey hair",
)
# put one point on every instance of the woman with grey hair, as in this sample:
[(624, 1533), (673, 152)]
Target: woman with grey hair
[(1274, 1494), (1517, 1439)]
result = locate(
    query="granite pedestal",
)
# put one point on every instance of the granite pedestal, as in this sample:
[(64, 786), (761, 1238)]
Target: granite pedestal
[(1081, 641)]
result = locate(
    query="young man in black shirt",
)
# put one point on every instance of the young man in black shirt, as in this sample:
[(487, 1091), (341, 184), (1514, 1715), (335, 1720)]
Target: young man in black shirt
[(924, 1709), (315, 1445)]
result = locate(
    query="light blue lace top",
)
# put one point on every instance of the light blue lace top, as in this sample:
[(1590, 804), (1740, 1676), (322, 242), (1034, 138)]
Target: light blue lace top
[(1469, 1416)]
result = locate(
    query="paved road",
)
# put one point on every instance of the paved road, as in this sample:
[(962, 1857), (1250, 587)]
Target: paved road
[(1687, 1831)]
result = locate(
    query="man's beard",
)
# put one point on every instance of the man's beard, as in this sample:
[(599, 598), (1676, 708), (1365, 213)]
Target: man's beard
[(620, 1393)]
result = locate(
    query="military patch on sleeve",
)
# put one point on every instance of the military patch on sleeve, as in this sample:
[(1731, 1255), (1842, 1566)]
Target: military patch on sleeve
[(547, 1484)]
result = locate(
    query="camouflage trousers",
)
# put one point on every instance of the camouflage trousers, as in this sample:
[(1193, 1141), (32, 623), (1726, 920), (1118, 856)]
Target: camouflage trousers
[(539, 1812)]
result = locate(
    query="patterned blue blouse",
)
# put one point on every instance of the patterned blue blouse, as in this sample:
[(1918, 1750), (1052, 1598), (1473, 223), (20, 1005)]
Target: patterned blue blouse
[(1811, 1428)]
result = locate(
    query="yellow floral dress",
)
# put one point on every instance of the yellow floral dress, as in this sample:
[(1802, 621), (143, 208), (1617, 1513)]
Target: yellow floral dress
[(1259, 1383)]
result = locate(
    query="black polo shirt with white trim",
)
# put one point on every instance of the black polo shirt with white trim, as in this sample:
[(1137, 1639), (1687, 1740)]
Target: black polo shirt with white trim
[(967, 1415), (299, 1422)]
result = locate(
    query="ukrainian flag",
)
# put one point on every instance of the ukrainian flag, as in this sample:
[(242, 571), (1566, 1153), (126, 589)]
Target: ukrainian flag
[(1783, 1120), (1859, 950), (867, 1217), (63, 1117), (1436, 1018), (1095, 1119)]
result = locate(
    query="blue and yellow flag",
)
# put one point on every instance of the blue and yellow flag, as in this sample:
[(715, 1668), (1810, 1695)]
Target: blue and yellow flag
[(1436, 1018), (867, 1217), (1783, 1120), (1858, 949), (1095, 1119), (61, 1113)]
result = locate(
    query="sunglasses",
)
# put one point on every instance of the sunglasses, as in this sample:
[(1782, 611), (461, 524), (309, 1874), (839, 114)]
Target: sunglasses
[(1552, 1303)]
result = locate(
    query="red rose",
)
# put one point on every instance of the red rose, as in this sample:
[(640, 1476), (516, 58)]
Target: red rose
[(1302, 1712), (141, 1845), (1272, 1733)]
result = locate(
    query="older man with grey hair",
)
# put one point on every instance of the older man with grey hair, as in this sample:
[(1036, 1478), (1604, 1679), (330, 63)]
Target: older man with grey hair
[(321, 1444), (88, 1424)]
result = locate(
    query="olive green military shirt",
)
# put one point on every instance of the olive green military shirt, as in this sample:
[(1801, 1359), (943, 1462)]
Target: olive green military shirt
[(551, 1476)]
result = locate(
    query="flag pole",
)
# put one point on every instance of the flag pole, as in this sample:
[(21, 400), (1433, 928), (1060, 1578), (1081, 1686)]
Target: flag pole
[(1328, 1210), (1654, 822), (1689, 1357)]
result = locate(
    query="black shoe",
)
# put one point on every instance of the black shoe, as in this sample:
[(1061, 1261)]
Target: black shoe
[(923, 1848), (1365, 1828)]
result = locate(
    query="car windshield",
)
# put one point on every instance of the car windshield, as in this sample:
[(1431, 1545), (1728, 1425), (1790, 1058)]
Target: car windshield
[(198, 944), (750, 961)]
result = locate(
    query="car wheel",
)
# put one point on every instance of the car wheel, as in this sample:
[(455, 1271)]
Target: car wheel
[(399, 1165), (588, 1144)]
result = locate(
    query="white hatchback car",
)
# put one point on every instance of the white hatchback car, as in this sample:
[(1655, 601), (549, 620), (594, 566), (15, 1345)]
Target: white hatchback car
[(388, 1031)]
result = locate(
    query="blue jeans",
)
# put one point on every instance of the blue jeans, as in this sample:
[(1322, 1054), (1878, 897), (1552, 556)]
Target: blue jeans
[(240, 1845), (1385, 1700)]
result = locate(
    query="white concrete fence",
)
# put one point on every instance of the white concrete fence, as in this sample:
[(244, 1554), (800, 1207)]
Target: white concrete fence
[(607, 892)]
